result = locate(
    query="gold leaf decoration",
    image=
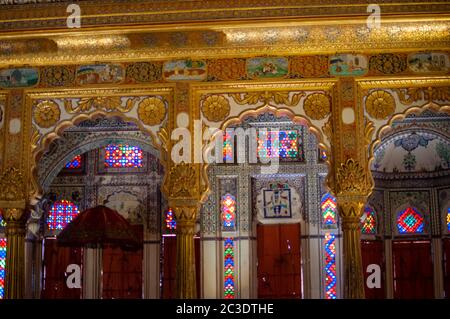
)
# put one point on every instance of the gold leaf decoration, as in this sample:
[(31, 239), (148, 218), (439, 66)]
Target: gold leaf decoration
[(182, 180), (266, 97), (411, 95), (144, 71), (351, 178), (106, 103), (387, 63), (12, 187), (317, 106), (152, 111), (216, 108), (46, 114), (380, 104), (57, 76)]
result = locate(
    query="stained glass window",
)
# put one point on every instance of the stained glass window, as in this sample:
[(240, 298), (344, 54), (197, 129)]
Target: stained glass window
[(61, 214), (282, 144), (369, 221), (328, 205), (227, 147), (2, 266), (121, 155), (330, 266), (75, 162), (228, 211), (170, 220), (410, 220), (228, 284), (448, 219)]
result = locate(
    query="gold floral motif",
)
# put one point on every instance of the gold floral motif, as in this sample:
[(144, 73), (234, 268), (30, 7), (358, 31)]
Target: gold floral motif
[(152, 111), (144, 72), (281, 98), (215, 108), (57, 76), (380, 104), (182, 181), (351, 178), (317, 106), (309, 66), (46, 114), (106, 103), (411, 95), (226, 69), (387, 63), (12, 187)]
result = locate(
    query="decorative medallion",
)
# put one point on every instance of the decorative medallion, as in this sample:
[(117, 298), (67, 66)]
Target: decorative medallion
[(387, 63), (152, 111), (380, 104), (46, 114), (144, 72), (57, 76), (309, 66), (216, 108), (226, 69), (317, 106)]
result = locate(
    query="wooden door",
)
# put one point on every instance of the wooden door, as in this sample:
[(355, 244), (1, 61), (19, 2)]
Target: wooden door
[(413, 269), (122, 272), (372, 252), (56, 260), (279, 263)]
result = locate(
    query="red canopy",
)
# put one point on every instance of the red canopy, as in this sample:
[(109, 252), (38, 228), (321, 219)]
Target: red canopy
[(99, 226)]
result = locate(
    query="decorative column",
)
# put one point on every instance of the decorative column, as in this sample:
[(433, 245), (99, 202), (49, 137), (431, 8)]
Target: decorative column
[(350, 212), (184, 189), (186, 216), (12, 201)]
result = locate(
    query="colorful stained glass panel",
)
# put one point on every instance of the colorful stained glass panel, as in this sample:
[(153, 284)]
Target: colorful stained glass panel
[(329, 207), (2, 266), (170, 220), (61, 214), (369, 221), (330, 266), (448, 219), (228, 284), (282, 144), (228, 211), (410, 221), (74, 163), (121, 155)]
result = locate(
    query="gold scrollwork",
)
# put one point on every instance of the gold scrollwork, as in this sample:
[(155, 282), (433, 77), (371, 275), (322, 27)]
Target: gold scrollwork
[(106, 103), (317, 106), (411, 95), (215, 108), (12, 185), (46, 114), (380, 104), (266, 97), (182, 181), (152, 111), (351, 178)]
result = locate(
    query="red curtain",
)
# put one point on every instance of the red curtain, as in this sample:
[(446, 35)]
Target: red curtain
[(413, 269), (56, 260), (169, 267), (122, 272), (372, 252), (279, 262), (446, 251)]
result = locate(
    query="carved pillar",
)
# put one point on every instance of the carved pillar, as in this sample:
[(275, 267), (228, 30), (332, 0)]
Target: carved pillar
[(350, 212), (186, 215), (12, 201)]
